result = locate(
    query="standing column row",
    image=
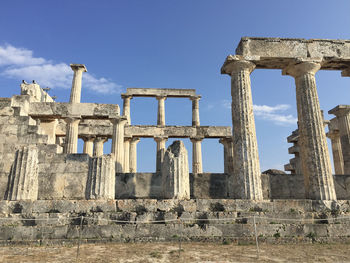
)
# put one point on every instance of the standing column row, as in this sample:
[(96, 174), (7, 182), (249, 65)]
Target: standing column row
[(343, 120), (315, 160)]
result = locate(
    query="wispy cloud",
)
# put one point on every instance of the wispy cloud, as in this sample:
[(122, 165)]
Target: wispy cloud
[(275, 114), (19, 63)]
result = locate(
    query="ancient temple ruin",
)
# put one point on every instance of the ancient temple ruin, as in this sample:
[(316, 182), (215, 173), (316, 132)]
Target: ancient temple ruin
[(42, 174)]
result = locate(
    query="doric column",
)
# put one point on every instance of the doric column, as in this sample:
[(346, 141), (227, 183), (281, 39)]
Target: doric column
[(161, 110), (126, 166), (315, 160), (197, 166), (228, 154), (133, 154), (195, 110), (98, 145), (88, 145), (343, 117), (337, 151), (246, 178), (118, 142), (160, 151), (75, 94), (71, 141), (126, 107)]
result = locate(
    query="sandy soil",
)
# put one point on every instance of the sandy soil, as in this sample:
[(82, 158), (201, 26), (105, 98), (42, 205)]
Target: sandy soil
[(169, 252)]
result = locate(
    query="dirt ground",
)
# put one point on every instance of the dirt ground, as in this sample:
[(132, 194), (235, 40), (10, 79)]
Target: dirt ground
[(169, 252)]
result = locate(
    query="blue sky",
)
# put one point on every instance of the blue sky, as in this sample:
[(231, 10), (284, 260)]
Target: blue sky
[(169, 44)]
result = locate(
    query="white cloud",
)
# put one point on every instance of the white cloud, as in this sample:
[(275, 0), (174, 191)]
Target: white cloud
[(270, 113), (19, 63)]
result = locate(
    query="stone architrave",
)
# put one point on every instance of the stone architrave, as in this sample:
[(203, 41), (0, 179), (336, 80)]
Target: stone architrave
[(195, 110), (161, 110), (197, 166), (118, 142), (75, 94), (133, 154), (245, 183), (160, 151), (333, 134), (98, 145), (88, 145), (126, 107), (126, 166), (71, 141), (315, 160), (23, 178), (343, 117), (101, 178), (175, 173)]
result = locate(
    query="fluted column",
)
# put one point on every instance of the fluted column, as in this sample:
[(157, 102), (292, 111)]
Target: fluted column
[(75, 94), (126, 107), (343, 117), (197, 165), (133, 154), (98, 145), (246, 180), (195, 110), (126, 166), (88, 145), (160, 152), (118, 143), (336, 151), (315, 160), (161, 110), (228, 154), (71, 141)]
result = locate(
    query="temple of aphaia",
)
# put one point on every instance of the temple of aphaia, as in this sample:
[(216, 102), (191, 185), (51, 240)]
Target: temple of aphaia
[(42, 175)]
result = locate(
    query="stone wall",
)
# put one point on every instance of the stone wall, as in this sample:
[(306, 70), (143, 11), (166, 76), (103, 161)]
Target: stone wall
[(199, 220)]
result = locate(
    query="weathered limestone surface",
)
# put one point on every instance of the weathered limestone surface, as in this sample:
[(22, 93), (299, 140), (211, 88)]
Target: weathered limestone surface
[(175, 172), (161, 111), (23, 178), (315, 160), (197, 166), (343, 116), (98, 146), (333, 134), (126, 107), (101, 178), (118, 143), (88, 145), (228, 154), (195, 110), (35, 92), (133, 154), (71, 142), (160, 151), (75, 94), (294, 165), (245, 182), (143, 92)]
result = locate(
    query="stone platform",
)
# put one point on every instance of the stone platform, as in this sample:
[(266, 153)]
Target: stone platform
[(166, 220)]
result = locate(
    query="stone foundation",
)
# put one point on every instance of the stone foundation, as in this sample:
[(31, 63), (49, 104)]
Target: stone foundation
[(200, 220)]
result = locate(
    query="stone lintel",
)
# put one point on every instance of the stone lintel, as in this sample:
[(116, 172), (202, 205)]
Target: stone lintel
[(78, 67), (301, 66), (340, 110), (58, 110), (277, 53), (345, 72), (142, 92)]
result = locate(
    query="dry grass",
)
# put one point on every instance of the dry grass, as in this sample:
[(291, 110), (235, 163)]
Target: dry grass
[(169, 252)]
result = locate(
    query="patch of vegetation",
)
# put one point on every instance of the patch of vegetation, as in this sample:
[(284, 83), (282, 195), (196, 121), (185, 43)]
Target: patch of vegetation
[(277, 235), (226, 242), (179, 209), (155, 254), (312, 235), (255, 209), (140, 210), (241, 221)]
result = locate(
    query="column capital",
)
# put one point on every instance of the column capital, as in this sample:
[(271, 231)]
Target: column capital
[(301, 67), (120, 120), (69, 120), (135, 139), (225, 140), (160, 97), (195, 98), (87, 138), (340, 110), (333, 134), (345, 72), (78, 67), (101, 138), (127, 138), (126, 96), (197, 139), (235, 63), (160, 138)]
